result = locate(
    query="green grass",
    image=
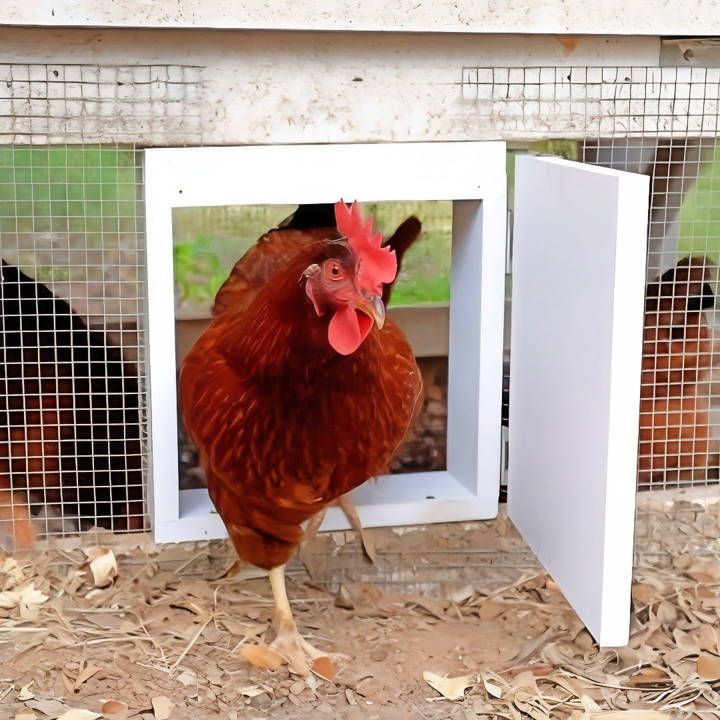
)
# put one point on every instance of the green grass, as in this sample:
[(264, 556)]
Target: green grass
[(208, 241), (88, 194), (92, 195), (700, 213)]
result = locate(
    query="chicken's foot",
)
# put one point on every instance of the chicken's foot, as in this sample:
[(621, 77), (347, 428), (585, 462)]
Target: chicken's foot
[(314, 525), (351, 513), (288, 642)]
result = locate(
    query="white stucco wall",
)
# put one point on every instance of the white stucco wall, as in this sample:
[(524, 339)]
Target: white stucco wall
[(625, 17)]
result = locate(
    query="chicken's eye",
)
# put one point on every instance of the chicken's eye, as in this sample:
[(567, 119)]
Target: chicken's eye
[(334, 271)]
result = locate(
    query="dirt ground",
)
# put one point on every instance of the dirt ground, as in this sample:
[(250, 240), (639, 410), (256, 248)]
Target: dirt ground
[(120, 628)]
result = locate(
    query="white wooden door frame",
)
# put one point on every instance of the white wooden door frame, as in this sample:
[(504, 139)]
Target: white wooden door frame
[(579, 250), (473, 176)]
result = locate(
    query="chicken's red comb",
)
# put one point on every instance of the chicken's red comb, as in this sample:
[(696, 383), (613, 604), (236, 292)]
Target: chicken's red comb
[(377, 264)]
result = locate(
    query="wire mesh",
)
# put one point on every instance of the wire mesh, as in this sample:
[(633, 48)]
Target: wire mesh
[(73, 411), (662, 122), (72, 392)]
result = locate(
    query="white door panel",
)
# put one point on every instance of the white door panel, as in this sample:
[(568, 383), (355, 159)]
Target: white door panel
[(577, 314)]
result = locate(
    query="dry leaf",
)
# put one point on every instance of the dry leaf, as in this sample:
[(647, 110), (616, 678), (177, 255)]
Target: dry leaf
[(490, 609), (262, 657), (77, 714), (628, 715), (253, 691), (85, 675), (115, 707), (568, 684), (450, 688), (24, 693), (325, 668), (492, 689), (162, 707), (708, 667), (243, 629), (589, 704), (701, 576), (26, 598), (187, 677), (103, 566), (649, 676), (47, 707), (706, 638), (645, 594), (25, 714)]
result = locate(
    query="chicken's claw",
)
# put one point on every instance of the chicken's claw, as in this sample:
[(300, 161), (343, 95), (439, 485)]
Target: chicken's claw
[(296, 650)]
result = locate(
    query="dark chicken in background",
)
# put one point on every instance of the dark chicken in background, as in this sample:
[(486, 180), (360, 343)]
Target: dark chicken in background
[(69, 415), (675, 442), (298, 391)]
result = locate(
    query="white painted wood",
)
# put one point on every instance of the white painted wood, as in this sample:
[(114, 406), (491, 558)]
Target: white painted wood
[(476, 345), (473, 174), (641, 17), (275, 87), (411, 499), (577, 318)]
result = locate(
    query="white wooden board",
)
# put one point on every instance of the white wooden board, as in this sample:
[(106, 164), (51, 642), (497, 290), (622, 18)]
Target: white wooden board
[(578, 283), (471, 174), (640, 17)]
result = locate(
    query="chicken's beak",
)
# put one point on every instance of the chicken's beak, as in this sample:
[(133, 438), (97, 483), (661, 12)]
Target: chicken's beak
[(373, 307)]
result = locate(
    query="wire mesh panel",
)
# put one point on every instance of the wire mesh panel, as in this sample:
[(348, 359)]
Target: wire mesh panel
[(71, 431), (73, 451), (662, 122), (72, 406)]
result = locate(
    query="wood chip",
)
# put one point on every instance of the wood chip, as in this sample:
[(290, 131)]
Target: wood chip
[(450, 688), (162, 707), (262, 657)]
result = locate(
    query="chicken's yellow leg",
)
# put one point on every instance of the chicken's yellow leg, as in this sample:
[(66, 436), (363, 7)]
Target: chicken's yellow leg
[(288, 643)]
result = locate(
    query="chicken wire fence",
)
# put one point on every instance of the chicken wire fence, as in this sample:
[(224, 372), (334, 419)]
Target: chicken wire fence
[(661, 122), (73, 421), (73, 411)]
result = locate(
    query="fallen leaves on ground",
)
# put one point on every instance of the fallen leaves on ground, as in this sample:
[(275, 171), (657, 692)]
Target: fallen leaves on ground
[(451, 688), (126, 630)]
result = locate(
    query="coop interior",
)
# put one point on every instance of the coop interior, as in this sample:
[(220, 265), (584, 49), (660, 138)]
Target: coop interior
[(76, 461)]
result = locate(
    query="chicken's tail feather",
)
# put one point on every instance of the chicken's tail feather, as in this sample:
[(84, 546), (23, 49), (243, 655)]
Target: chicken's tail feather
[(15, 522), (401, 240)]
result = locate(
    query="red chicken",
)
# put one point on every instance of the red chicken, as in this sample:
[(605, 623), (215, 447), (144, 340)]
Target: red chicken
[(677, 355), (69, 416), (299, 391)]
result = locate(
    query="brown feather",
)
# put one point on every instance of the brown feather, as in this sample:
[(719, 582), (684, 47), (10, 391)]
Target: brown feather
[(284, 424)]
